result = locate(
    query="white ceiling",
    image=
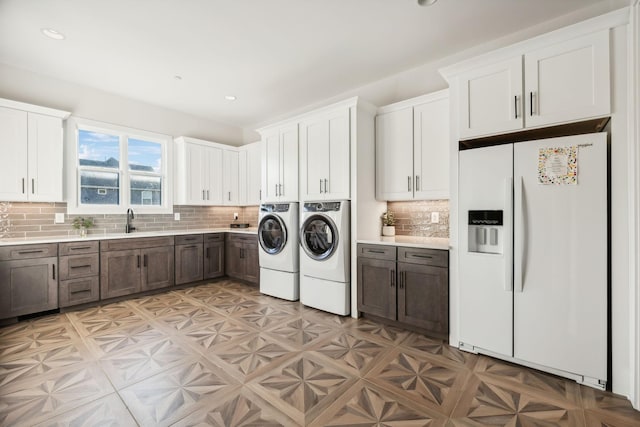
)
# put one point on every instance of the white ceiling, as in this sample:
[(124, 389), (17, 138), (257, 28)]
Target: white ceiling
[(275, 56)]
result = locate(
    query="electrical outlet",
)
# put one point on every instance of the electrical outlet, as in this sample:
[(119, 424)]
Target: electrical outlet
[(235, 216), (59, 218), (435, 217), (176, 216)]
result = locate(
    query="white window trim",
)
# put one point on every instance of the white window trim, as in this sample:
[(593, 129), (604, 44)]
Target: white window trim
[(72, 173)]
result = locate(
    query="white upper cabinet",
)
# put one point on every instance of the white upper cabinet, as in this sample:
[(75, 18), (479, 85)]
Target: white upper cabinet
[(325, 160), (230, 178), (557, 83), (249, 172), (31, 141), (198, 173), (279, 149), (491, 99), (412, 149), (568, 81)]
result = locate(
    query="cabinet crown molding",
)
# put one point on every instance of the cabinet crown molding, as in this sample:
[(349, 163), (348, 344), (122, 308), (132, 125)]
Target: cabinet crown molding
[(608, 20), (34, 108), (412, 102), (347, 103)]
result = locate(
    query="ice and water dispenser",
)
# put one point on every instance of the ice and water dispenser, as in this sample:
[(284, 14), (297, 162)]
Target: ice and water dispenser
[(486, 233)]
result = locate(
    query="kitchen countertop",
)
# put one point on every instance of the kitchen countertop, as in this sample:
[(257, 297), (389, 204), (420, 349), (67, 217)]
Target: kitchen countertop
[(410, 241), (64, 239)]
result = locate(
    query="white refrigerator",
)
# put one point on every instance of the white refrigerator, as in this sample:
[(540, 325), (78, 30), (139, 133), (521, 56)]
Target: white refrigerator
[(533, 260)]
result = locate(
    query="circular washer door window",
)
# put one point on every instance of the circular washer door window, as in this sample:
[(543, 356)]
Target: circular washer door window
[(319, 237), (272, 234)]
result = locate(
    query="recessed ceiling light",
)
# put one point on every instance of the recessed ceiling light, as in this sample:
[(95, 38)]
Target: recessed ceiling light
[(230, 98), (426, 2), (177, 77), (52, 34)]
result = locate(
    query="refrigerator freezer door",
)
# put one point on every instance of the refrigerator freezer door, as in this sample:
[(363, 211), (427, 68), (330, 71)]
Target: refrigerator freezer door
[(560, 257), (486, 303)]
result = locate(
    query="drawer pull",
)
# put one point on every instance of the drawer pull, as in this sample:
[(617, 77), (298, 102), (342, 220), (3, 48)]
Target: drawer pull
[(421, 256), (79, 248), (188, 239), (374, 251), (39, 251), (80, 266), (79, 291), (190, 247)]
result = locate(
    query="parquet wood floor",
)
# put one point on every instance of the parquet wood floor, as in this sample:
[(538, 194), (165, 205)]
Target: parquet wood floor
[(221, 354)]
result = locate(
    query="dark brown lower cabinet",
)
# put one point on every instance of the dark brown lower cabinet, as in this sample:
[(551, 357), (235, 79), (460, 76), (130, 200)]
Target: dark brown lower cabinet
[(79, 273), (128, 266), (28, 279), (189, 260), (213, 255), (241, 257), (409, 286)]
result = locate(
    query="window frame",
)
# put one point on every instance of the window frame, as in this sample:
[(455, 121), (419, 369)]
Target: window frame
[(74, 202)]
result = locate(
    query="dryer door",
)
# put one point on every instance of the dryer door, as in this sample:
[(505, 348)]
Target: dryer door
[(272, 234), (319, 237)]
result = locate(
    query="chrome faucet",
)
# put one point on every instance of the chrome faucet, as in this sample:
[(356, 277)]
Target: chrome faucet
[(129, 228)]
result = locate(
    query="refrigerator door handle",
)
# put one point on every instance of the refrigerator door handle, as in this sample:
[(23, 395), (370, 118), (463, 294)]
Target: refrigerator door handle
[(520, 241), (508, 241)]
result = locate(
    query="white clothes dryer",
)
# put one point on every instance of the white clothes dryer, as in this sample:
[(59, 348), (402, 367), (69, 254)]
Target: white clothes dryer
[(325, 256), (279, 251)]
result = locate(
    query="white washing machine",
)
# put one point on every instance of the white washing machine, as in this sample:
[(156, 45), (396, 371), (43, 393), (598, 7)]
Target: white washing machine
[(325, 256), (279, 251)]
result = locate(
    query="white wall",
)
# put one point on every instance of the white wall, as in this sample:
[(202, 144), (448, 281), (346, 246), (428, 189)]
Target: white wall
[(88, 103)]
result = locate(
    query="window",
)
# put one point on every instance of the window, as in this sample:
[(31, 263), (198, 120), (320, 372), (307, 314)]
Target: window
[(118, 168)]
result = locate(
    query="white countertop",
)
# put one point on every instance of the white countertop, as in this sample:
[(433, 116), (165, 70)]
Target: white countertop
[(410, 241), (63, 239)]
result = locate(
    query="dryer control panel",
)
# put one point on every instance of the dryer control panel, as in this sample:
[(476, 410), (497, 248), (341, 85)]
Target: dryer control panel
[(321, 207)]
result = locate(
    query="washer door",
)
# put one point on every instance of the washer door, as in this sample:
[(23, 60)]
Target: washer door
[(272, 234), (319, 237)]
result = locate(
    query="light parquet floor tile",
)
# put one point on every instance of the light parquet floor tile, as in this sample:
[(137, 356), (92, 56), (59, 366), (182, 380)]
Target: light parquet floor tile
[(29, 402), (432, 382), (303, 386), (367, 405), (223, 354), (171, 395), (106, 411)]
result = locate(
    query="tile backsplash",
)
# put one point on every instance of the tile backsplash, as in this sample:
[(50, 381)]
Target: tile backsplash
[(19, 220), (414, 218)]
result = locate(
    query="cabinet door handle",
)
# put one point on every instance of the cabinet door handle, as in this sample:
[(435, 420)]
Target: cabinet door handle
[(22, 185), (259, 194), (229, 195), (515, 105), (54, 271), (280, 189), (138, 256), (326, 185), (207, 194), (203, 198), (408, 183), (33, 186), (144, 262), (417, 182), (207, 253), (531, 103), (392, 275), (320, 185)]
